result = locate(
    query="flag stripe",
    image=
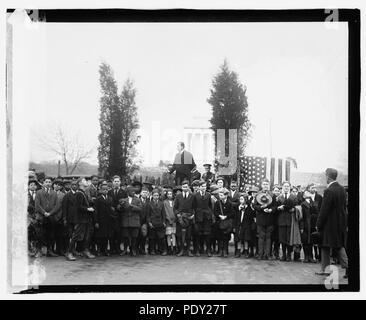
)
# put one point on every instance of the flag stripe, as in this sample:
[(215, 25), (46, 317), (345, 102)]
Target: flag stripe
[(272, 170), (279, 171), (287, 170)]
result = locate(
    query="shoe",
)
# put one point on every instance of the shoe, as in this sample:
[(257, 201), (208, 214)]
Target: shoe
[(198, 254), (133, 253), (180, 253), (153, 253), (225, 255), (190, 254), (209, 254), (164, 253), (88, 255), (70, 257), (50, 253)]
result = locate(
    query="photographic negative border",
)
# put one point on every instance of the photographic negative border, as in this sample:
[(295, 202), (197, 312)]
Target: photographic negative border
[(351, 16)]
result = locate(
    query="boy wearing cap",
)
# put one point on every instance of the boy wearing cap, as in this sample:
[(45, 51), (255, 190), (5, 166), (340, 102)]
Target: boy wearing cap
[(34, 227), (103, 219), (183, 205), (224, 213), (156, 218), (202, 220), (141, 238), (80, 229), (61, 244), (308, 225), (46, 201), (130, 209)]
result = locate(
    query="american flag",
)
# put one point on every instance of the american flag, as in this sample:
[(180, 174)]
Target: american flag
[(254, 169)]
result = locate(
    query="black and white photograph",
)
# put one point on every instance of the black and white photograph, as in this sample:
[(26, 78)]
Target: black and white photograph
[(182, 150)]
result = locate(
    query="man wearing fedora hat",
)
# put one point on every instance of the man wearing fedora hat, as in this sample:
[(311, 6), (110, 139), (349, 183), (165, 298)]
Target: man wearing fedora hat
[(264, 208)]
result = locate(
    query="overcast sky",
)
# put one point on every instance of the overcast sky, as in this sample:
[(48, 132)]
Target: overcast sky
[(295, 74)]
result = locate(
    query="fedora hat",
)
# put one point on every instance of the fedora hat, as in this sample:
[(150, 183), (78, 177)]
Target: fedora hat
[(253, 189), (263, 198)]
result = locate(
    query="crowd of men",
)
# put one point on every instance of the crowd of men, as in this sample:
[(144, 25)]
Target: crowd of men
[(76, 218)]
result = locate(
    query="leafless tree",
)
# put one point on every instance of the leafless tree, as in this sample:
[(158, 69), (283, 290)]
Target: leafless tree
[(67, 146)]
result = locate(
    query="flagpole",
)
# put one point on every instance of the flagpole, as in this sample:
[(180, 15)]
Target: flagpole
[(270, 138)]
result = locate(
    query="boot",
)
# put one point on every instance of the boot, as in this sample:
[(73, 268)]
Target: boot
[(237, 253), (296, 256)]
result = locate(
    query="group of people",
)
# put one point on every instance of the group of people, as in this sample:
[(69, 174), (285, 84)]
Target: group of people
[(75, 218)]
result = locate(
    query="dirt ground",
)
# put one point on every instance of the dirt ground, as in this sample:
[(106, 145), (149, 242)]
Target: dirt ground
[(116, 270)]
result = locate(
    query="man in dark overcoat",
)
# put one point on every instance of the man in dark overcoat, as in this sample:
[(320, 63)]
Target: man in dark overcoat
[(183, 164), (332, 222)]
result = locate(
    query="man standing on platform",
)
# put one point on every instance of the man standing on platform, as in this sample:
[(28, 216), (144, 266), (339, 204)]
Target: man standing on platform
[(183, 164)]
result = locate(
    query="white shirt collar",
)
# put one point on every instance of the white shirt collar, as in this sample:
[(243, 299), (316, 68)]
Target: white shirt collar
[(331, 183)]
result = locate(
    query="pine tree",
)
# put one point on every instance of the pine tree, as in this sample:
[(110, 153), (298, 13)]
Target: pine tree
[(118, 124), (109, 102), (130, 124), (229, 107)]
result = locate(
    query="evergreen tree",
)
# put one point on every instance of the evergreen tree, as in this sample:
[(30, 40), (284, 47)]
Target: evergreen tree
[(229, 108), (118, 123)]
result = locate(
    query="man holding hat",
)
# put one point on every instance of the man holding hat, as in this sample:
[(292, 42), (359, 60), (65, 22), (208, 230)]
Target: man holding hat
[(264, 208)]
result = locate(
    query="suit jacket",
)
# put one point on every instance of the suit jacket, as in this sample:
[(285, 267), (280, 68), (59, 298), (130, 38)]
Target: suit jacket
[(156, 214), (226, 209), (144, 211), (31, 206), (82, 205), (45, 202), (234, 199), (121, 194), (284, 216), (57, 216), (130, 213), (318, 200), (183, 164), (265, 218), (103, 216), (184, 208), (332, 219), (69, 210), (308, 221), (202, 207)]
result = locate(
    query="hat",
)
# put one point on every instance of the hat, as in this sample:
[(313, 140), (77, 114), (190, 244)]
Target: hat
[(130, 188), (148, 185), (213, 187), (220, 178), (195, 183), (263, 198), (176, 188), (223, 190), (207, 165), (306, 195), (136, 183), (253, 189)]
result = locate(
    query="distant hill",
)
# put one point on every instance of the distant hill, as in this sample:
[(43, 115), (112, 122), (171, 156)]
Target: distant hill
[(51, 168)]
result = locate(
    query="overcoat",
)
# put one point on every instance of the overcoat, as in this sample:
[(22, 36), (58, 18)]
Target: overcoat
[(332, 219)]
